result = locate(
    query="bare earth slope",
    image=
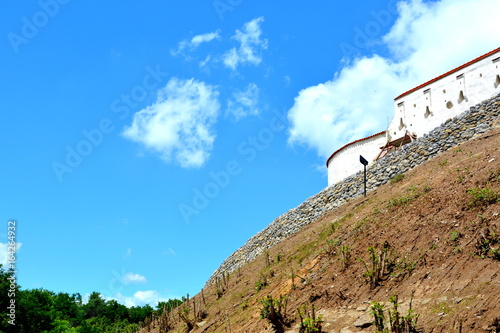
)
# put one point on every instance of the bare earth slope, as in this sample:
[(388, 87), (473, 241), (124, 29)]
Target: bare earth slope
[(436, 231)]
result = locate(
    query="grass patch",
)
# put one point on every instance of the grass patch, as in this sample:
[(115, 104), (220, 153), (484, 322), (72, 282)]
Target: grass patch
[(345, 217), (329, 230), (443, 308), (488, 244), (360, 225), (403, 267), (412, 192), (399, 201), (455, 235), (443, 163), (397, 178), (305, 250), (482, 196)]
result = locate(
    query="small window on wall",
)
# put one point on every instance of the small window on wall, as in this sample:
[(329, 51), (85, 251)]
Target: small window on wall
[(461, 97), (449, 104), (401, 124), (497, 81), (427, 94), (427, 112)]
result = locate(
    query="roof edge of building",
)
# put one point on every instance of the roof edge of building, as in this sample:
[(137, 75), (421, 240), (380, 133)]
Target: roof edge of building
[(486, 55), (351, 143)]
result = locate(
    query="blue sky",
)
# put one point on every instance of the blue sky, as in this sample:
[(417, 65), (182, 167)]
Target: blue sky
[(142, 143)]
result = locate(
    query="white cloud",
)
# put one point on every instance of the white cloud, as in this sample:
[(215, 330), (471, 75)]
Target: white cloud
[(427, 39), (179, 125), (129, 252), (140, 298), (195, 42), (204, 63), (434, 37), (250, 45), (287, 79), (130, 278), (244, 103), (4, 254), (344, 109)]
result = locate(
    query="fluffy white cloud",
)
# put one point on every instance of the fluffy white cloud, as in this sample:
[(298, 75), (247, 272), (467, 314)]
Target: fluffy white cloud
[(344, 109), (130, 277), (4, 254), (244, 103), (427, 39), (195, 42), (250, 45), (179, 125), (140, 298)]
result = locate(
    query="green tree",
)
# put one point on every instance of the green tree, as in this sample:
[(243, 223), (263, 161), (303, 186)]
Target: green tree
[(95, 307), (7, 294), (140, 313), (115, 311), (63, 326), (68, 307), (36, 310), (168, 305), (43, 311)]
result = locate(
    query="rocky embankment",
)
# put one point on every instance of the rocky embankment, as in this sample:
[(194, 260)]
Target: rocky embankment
[(477, 120)]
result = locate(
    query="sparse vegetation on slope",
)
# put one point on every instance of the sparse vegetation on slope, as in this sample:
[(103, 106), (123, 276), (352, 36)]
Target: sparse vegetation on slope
[(432, 238)]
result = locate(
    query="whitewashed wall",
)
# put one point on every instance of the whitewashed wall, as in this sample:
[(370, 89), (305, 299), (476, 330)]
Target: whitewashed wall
[(430, 106), (346, 162), (423, 110)]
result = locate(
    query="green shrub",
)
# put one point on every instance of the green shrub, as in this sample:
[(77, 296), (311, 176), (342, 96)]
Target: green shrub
[(455, 235), (397, 178), (399, 201), (379, 264), (329, 230), (483, 196), (309, 323), (261, 283), (345, 256), (396, 323), (275, 311)]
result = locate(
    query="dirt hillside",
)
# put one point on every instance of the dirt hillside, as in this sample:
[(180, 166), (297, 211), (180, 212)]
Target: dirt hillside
[(430, 237)]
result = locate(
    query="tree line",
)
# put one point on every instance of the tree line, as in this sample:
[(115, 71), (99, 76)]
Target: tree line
[(44, 311)]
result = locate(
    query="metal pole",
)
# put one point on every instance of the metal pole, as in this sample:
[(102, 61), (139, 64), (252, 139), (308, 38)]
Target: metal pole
[(365, 180), (363, 161)]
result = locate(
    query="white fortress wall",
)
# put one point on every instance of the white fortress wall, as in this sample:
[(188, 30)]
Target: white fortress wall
[(428, 106), (423, 108), (345, 161)]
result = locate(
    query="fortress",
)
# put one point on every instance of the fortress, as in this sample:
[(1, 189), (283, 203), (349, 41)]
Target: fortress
[(421, 109), (429, 120)]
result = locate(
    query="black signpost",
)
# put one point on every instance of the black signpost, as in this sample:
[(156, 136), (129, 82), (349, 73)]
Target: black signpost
[(365, 163)]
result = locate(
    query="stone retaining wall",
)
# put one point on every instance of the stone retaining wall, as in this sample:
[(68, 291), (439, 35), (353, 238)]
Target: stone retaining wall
[(478, 119)]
